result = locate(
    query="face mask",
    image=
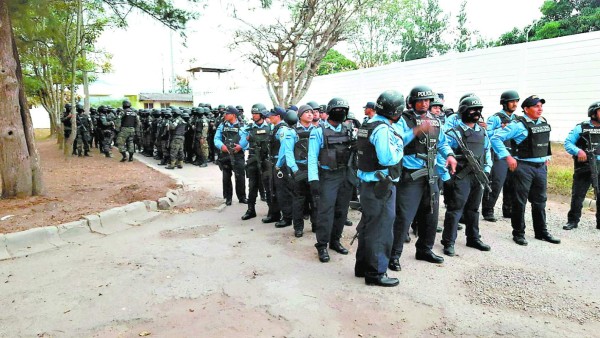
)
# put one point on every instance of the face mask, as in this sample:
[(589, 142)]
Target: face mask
[(337, 115), (471, 116)]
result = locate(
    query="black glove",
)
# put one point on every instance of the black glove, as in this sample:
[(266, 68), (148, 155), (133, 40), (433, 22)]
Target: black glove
[(314, 188)]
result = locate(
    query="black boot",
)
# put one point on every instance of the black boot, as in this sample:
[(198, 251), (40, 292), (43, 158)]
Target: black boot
[(124, 156), (250, 213), (130, 157)]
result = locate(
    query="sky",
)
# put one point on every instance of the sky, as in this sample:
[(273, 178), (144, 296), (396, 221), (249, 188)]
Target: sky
[(142, 53)]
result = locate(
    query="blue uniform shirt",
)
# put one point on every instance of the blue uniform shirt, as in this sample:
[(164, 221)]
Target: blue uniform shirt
[(573, 137), (242, 132), (287, 137), (514, 131), (315, 143), (452, 121), (389, 148), (487, 159), (411, 161), (494, 122), (291, 161)]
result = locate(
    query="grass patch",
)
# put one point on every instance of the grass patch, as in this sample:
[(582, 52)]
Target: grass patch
[(41, 134), (560, 172)]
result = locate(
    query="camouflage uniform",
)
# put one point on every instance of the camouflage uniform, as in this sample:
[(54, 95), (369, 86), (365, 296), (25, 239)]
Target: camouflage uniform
[(177, 128), (129, 123)]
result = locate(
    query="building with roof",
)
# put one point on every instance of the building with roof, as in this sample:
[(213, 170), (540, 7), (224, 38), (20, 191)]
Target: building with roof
[(161, 100)]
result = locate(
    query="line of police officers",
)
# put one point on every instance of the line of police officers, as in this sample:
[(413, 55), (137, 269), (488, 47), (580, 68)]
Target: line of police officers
[(310, 160)]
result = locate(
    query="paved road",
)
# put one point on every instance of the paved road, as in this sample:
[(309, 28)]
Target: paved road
[(209, 274)]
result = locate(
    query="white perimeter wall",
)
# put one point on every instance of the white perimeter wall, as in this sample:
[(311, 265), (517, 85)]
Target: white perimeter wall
[(565, 71)]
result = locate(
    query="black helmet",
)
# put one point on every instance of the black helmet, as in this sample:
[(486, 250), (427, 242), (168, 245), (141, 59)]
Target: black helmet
[(68, 107), (314, 105), (420, 93), (257, 108), (437, 102), (323, 108), (390, 104), (239, 108), (155, 112), (167, 113), (337, 109), (101, 109), (469, 103), (185, 116), (126, 104), (509, 95), (175, 111), (79, 108), (221, 106), (290, 117), (593, 108), (93, 110), (465, 96)]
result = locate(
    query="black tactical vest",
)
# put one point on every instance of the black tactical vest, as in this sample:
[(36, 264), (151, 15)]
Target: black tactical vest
[(180, 128), (274, 143), (258, 137), (336, 148), (475, 142), (367, 154), (231, 134), (419, 144), (588, 133), (537, 142), (504, 120), (129, 119), (301, 146)]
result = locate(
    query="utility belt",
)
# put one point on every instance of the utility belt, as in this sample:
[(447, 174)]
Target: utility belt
[(531, 164)]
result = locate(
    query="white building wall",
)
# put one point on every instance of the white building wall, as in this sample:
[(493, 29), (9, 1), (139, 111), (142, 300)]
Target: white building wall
[(565, 71)]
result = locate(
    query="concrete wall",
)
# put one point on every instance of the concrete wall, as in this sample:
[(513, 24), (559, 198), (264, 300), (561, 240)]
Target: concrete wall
[(565, 71)]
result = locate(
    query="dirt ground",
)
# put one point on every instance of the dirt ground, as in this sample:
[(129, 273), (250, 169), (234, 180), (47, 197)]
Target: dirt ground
[(79, 186)]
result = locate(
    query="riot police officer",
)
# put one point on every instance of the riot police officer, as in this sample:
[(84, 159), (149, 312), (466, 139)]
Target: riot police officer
[(177, 129), (231, 140), (583, 141), (106, 124), (280, 187), (418, 187), (465, 195), (380, 150), (84, 131), (500, 175), (164, 137), (530, 141), (257, 169), (329, 153), (130, 124)]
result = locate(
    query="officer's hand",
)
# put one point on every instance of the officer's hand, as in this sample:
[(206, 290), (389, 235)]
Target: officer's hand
[(224, 149), (482, 124), (424, 127), (237, 148), (451, 164), (512, 163), (581, 156), (314, 188)]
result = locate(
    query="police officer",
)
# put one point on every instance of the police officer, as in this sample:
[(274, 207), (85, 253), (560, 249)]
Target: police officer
[(280, 181), (106, 125), (329, 153), (164, 137), (370, 111), (316, 113), (436, 109), (530, 140), (130, 124), (177, 128), (84, 131), (295, 148), (231, 140), (465, 195), (257, 169), (418, 187), (584, 139), (500, 175), (380, 150)]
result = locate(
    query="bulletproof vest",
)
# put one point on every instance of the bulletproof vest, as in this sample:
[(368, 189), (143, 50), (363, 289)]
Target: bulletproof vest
[(301, 146), (589, 139), (84, 121), (537, 142), (274, 143), (367, 154), (419, 144), (231, 134), (180, 127), (129, 119), (336, 148), (258, 137), (204, 129), (474, 140), (504, 120), (67, 122)]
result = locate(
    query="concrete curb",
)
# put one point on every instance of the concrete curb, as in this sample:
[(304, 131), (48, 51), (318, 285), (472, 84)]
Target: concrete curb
[(3, 251), (32, 241)]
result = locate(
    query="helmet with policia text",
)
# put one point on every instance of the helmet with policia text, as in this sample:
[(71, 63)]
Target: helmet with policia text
[(509, 95), (469, 103), (593, 108), (437, 102), (390, 104), (257, 108), (337, 109), (420, 93), (465, 96)]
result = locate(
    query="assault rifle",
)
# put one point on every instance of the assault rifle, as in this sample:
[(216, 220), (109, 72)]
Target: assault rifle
[(591, 156), (474, 165), (429, 171), (230, 148)]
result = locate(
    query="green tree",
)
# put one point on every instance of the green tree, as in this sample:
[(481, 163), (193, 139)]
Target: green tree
[(182, 85), (424, 24)]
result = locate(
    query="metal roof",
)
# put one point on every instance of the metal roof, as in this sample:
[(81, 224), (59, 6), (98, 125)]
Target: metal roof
[(166, 97)]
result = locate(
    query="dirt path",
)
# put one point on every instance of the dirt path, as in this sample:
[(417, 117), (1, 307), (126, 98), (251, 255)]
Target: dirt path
[(209, 274)]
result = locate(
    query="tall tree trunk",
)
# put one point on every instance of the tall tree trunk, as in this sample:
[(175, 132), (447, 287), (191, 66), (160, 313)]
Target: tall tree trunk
[(75, 52), (19, 161)]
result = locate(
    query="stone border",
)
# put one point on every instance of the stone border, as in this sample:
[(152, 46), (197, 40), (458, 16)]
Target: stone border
[(25, 243)]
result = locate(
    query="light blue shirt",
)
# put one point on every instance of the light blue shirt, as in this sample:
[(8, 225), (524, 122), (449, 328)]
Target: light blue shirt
[(242, 132), (452, 121), (290, 146), (388, 145), (494, 122), (411, 161), (487, 155), (573, 137), (514, 131), (315, 144), (287, 137)]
